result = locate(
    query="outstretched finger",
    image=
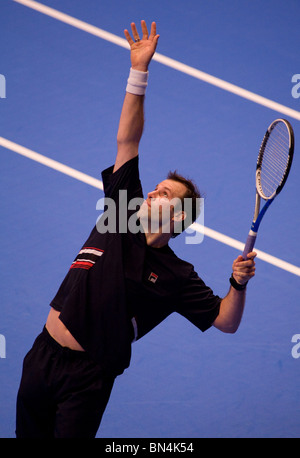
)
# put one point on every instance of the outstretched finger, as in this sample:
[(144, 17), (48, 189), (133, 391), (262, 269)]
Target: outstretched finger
[(128, 37), (144, 30), (153, 30), (135, 32)]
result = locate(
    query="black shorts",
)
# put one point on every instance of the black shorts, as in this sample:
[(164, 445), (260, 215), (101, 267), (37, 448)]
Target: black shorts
[(62, 393)]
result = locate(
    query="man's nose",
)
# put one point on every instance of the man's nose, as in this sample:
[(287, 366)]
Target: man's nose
[(152, 194)]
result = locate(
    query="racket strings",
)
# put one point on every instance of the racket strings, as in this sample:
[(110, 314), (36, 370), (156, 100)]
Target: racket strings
[(275, 159)]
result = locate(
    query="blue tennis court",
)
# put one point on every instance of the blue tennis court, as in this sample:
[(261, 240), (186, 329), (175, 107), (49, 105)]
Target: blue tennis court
[(62, 88)]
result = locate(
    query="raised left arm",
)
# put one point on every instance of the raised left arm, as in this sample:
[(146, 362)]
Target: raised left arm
[(132, 116), (232, 306)]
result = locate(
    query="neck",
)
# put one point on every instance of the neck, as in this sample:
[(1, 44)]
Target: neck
[(157, 240), (154, 239)]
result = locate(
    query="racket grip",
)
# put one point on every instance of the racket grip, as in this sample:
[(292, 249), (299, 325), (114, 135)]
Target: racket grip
[(249, 244)]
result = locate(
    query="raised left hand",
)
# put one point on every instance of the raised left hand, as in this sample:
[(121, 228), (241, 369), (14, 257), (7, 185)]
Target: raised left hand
[(143, 49)]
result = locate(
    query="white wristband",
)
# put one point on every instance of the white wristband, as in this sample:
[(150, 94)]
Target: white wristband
[(137, 82)]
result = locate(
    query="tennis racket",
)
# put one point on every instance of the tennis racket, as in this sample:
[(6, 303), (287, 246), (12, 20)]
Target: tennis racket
[(272, 169)]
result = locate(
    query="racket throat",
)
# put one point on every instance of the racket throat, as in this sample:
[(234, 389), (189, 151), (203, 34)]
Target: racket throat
[(257, 221), (252, 233)]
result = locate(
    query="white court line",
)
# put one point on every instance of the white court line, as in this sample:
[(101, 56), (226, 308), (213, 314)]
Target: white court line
[(115, 39), (98, 184), (51, 163), (240, 246)]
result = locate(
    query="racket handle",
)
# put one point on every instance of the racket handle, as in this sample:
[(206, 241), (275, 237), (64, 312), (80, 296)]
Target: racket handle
[(249, 244)]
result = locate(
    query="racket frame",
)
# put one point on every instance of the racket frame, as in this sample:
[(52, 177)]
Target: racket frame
[(259, 214)]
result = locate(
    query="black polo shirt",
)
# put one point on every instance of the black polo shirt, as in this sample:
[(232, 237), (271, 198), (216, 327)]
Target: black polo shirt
[(118, 288)]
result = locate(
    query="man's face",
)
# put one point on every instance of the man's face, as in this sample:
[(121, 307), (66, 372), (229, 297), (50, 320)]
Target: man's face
[(162, 205)]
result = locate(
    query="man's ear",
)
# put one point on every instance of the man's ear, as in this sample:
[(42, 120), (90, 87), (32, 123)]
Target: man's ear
[(179, 216)]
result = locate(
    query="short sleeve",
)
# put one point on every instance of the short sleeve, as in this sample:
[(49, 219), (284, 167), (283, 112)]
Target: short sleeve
[(198, 303), (125, 178)]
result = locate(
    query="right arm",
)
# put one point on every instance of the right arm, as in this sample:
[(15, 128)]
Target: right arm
[(132, 116), (130, 128)]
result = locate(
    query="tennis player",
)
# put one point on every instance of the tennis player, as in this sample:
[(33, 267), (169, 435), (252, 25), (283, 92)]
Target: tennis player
[(119, 287)]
